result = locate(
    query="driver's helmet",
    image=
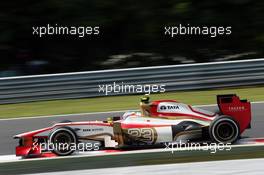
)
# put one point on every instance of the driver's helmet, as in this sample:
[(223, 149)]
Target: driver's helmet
[(145, 99)]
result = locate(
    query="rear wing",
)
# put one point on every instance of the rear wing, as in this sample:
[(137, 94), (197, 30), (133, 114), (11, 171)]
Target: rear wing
[(240, 110)]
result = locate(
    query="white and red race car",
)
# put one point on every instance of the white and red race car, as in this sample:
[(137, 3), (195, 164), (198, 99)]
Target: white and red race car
[(168, 121)]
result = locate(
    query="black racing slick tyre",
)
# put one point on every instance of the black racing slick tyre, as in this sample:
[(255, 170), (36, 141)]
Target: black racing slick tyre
[(224, 129), (63, 141)]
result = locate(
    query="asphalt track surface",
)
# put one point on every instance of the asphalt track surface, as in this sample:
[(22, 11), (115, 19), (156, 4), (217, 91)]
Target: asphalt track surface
[(226, 167), (9, 128)]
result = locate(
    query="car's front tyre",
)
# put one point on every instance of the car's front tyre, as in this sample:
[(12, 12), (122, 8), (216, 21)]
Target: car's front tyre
[(62, 141)]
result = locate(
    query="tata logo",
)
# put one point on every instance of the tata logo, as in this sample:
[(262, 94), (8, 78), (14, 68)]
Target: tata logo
[(169, 107), (163, 108)]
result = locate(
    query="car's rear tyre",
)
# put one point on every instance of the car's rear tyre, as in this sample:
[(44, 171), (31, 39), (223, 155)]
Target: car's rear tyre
[(62, 141), (224, 129)]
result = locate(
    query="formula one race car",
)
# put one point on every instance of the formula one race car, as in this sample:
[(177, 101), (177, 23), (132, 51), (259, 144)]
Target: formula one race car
[(159, 122)]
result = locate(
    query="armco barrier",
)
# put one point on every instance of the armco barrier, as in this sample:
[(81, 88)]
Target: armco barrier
[(175, 77)]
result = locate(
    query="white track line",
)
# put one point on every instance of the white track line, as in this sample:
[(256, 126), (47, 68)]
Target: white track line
[(106, 112), (8, 158), (66, 115)]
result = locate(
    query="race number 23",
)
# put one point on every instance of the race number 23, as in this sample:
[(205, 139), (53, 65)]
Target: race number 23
[(142, 134)]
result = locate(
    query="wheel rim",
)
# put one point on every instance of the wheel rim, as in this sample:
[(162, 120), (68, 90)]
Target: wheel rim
[(62, 142), (225, 131)]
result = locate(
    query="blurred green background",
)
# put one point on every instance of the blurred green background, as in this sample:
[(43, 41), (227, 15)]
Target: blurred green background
[(128, 102), (131, 34)]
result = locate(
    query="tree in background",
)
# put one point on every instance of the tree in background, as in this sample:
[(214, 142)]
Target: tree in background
[(132, 33)]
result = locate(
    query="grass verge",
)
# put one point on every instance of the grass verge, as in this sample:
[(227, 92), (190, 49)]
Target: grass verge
[(101, 104)]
